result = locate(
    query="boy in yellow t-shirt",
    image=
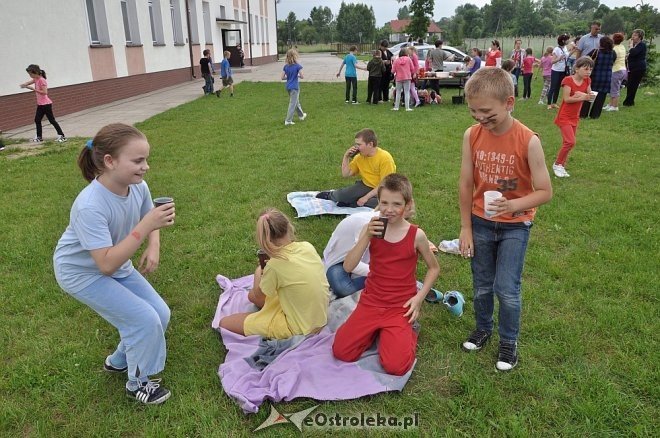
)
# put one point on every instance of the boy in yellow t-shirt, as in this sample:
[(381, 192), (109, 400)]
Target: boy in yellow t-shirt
[(371, 163)]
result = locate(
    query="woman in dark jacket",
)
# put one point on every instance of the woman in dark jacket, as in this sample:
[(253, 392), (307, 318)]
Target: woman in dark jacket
[(601, 77), (386, 56), (636, 65)]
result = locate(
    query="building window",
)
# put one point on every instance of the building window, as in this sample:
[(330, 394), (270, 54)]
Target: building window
[(256, 29), (246, 35), (129, 18), (263, 39), (175, 16), (127, 26), (192, 15), (267, 32), (98, 23), (206, 12), (223, 12), (156, 21)]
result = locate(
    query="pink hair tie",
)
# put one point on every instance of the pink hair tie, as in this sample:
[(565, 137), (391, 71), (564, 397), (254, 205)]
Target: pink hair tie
[(265, 215)]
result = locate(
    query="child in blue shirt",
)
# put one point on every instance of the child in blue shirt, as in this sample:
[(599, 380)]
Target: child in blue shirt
[(350, 61), (226, 74), (293, 71)]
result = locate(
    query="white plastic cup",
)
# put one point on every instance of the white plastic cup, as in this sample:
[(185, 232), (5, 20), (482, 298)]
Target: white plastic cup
[(490, 196), (594, 94)]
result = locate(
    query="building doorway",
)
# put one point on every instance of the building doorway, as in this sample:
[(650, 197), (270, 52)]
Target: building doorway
[(231, 38)]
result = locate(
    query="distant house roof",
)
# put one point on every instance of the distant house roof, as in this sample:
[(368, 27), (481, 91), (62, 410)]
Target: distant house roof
[(399, 26)]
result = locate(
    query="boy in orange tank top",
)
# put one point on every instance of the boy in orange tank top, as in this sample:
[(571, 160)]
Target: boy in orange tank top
[(499, 154), (390, 302)]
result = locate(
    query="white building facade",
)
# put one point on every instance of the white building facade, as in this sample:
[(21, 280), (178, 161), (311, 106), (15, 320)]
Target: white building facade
[(99, 51)]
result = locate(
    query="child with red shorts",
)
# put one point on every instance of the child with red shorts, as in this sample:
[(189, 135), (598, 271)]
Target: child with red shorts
[(390, 302)]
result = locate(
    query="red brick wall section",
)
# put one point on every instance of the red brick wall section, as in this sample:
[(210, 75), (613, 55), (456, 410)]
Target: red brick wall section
[(18, 109)]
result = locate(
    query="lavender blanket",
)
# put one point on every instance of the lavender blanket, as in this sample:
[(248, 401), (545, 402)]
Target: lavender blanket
[(307, 369)]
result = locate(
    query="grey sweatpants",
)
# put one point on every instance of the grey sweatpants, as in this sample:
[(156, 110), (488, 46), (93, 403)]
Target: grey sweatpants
[(349, 195)]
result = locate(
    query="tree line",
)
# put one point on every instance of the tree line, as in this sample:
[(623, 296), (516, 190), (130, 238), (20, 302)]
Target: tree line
[(356, 22)]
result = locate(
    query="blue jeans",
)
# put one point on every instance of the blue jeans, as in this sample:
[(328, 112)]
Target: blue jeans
[(208, 83), (343, 283), (140, 315), (497, 265)]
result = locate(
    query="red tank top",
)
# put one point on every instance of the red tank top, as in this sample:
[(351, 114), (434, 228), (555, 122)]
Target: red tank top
[(392, 271), (500, 163)]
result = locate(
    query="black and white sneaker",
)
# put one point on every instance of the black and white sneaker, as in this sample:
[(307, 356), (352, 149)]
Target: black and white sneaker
[(476, 340), (151, 393), (109, 367), (324, 195), (507, 359)]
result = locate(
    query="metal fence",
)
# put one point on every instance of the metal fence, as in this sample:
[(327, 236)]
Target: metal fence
[(536, 43)]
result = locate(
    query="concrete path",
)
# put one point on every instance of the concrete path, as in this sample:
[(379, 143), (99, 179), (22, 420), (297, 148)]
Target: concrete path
[(321, 67)]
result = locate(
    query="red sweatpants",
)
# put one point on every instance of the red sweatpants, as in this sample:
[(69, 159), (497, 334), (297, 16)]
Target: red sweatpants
[(568, 141), (397, 344)]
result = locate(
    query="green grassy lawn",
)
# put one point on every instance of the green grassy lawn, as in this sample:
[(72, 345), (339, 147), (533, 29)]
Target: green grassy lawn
[(589, 338)]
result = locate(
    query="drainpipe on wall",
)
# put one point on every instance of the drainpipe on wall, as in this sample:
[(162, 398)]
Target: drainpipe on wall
[(277, 41), (249, 32), (192, 62)]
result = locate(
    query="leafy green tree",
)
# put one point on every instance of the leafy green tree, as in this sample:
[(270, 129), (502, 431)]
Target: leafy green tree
[(383, 33), (403, 13), (421, 11), (612, 22), (321, 18), (306, 32), (472, 20), (579, 5), (497, 16), (527, 19), (353, 20), (291, 22)]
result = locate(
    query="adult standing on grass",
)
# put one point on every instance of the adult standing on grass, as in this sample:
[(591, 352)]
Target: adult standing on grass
[(293, 71), (590, 41), (437, 58), (494, 55), (110, 220), (386, 56), (636, 65), (601, 77), (517, 56), (619, 72), (558, 71)]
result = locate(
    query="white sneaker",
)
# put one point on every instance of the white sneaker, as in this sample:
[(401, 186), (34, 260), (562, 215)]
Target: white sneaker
[(559, 171), (395, 109), (541, 102), (606, 108), (36, 140), (303, 116), (409, 109), (612, 108), (288, 123), (60, 139)]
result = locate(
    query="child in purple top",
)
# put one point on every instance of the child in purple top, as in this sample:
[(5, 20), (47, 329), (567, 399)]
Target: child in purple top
[(293, 71), (546, 66), (44, 104)]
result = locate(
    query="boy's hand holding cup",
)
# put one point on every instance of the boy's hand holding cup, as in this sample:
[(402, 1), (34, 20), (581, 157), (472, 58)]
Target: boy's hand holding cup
[(490, 196), (352, 151), (378, 226)]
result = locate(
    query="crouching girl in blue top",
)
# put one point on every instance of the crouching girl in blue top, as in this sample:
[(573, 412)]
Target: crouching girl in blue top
[(109, 221)]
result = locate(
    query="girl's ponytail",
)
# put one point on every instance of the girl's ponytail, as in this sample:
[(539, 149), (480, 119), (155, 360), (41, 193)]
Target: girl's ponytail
[(86, 164), (43, 73), (273, 225)]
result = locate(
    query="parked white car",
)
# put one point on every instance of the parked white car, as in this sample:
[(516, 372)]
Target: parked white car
[(455, 61)]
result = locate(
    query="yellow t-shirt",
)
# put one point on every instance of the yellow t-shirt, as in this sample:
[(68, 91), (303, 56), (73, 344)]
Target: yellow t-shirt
[(296, 292), (620, 61), (372, 170)]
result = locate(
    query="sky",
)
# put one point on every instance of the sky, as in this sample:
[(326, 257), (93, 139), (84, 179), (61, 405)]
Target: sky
[(386, 10)]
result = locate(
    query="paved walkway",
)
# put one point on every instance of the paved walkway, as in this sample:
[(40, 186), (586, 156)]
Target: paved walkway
[(321, 67)]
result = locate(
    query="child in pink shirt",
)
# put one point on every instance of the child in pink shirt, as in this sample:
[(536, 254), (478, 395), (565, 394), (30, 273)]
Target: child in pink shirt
[(546, 66), (403, 70), (528, 63), (44, 104)]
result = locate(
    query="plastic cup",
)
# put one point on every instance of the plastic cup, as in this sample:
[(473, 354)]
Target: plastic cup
[(490, 196), (382, 234), (594, 94), (162, 201), (263, 258)]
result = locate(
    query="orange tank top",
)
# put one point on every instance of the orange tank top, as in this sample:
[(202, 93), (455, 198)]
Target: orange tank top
[(500, 163)]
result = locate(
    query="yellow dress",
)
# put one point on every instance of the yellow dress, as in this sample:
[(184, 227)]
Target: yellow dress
[(296, 292)]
